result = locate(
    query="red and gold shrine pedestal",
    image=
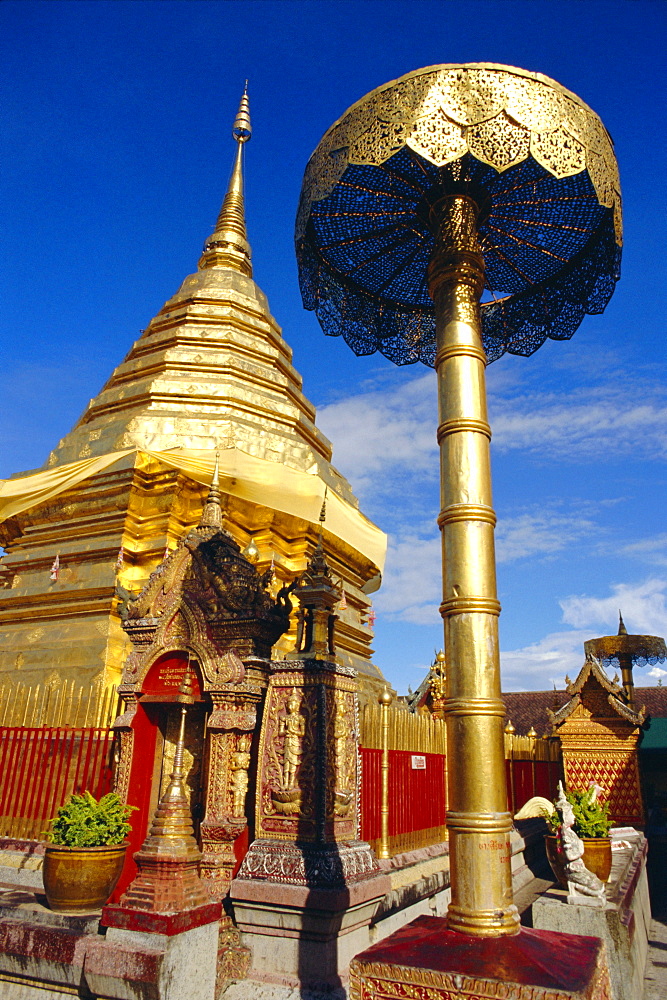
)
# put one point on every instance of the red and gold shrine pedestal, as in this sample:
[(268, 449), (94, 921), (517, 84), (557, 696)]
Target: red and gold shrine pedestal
[(426, 961)]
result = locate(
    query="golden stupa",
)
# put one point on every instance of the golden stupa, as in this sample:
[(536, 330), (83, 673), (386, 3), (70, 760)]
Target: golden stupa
[(210, 374)]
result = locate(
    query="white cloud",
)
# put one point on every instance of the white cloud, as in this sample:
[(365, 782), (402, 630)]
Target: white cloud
[(385, 443), (569, 429), (544, 663), (412, 584), (644, 608), (539, 533), (605, 407), (651, 550), (377, 432), (412, 581)]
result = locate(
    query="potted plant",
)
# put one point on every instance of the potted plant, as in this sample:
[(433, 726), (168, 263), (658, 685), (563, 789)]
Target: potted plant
[(86, 852), (591, 824)]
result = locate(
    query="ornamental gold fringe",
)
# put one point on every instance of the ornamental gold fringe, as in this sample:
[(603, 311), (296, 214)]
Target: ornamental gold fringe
[(58, 702), (407, 731), (531, 747)]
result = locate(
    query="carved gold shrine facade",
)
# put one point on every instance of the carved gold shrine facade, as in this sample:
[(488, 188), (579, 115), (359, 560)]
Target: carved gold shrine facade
[(211, 373)]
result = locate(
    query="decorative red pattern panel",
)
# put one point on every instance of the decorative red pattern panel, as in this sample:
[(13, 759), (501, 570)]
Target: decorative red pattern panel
[(617, 774)]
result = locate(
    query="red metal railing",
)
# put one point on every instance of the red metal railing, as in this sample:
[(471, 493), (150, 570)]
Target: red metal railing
[(41, 767), (526, 778), (417, 799)]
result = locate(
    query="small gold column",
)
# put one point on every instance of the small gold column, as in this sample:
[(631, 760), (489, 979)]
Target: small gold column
[(477, 819), (383, 850)]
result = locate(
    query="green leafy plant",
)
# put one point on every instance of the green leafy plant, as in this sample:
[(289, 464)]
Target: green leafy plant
[(591, 817), (86, 822)]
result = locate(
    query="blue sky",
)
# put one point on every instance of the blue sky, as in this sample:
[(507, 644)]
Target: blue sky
[(116, 152)]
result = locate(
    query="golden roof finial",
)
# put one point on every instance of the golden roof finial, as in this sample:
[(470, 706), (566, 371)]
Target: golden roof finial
[(211, 515), (228, 246), (323, 509), (622, 630)]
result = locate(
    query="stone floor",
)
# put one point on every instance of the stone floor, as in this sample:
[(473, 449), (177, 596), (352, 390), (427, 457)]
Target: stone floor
[(258, 991), (655, 981)]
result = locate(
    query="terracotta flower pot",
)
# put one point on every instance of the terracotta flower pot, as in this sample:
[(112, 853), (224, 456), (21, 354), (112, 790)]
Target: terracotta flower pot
[(81, 879), (596, 857)]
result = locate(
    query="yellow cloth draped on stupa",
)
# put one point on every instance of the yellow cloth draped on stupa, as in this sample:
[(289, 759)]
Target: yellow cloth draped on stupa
[(244, 476)]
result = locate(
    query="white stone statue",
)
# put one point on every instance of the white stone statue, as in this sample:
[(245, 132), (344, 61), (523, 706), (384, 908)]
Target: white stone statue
[(579, 880)]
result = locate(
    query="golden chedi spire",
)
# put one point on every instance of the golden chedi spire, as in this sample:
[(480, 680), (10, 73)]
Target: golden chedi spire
[(211, 372), (228, 246)]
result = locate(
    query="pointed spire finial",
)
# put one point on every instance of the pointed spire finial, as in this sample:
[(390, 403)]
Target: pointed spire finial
[(228, 246), (211, 515), (323, 509), (242, 129), (622, 630)]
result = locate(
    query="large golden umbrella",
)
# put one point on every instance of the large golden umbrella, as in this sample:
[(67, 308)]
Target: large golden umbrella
[(626, 651), (432, 189)]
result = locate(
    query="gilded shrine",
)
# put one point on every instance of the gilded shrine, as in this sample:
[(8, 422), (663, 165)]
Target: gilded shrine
[(206, 613), (600, 727), (210, 373)]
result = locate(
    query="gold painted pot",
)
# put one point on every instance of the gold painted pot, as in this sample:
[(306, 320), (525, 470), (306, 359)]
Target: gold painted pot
[(81, 879), (596, 857)]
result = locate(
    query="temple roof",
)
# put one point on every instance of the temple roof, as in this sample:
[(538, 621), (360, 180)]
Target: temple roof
[(530, 708), (591, 675)]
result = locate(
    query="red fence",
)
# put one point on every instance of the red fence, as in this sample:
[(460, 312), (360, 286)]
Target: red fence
[(526, 778), (41, 767), (417, 799)]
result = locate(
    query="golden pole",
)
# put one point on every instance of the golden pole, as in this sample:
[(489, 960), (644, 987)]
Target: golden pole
[(385, 701), (477, 819)]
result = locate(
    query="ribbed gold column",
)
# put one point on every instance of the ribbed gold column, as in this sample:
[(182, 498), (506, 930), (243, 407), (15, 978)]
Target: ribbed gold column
[(385, 700), (477, 819)]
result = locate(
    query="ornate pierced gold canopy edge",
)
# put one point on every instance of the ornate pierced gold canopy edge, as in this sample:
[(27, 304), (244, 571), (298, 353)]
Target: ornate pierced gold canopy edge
[(499, 114), (514, 70)]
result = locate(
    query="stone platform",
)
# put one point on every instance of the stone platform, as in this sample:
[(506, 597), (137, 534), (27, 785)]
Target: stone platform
[(622, 923), (53, 956), (416, 884), (21, 862)]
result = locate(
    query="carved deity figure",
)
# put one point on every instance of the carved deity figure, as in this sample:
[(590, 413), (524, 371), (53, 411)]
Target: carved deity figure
[(341, 732), (239, 767), (293, 728), (579, 879)]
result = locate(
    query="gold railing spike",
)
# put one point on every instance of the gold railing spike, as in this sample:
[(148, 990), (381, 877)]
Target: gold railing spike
[(77, 713)]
